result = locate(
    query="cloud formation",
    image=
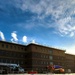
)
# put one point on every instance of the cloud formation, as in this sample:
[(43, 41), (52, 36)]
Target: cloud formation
[(2, 36), (57, 14), (33, 41), (61, 12), (14, 37), (24, 39)]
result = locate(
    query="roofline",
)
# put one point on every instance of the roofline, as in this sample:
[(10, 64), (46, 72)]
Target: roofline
[(33, 44), (12, 43), (46, 46)]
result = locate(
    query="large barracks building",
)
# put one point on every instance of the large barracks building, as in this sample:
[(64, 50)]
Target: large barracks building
[(35, 57)]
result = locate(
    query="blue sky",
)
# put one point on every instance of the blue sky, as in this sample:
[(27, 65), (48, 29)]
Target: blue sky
[(46, 22)]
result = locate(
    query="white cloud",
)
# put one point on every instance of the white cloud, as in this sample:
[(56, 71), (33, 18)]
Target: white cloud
[(24, 39), (33, 41), (14, 37), (2, 36), (60, 11), (48, 7), (72, 34), (64, 27)]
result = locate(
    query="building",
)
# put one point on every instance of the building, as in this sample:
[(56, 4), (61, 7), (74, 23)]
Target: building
[(70, 62), (34, 56), (42, 56), (12, 53)]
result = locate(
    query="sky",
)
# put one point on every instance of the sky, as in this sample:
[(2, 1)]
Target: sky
[(46, 22)]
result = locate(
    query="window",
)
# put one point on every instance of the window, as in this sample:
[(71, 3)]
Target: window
[(11, 46), (47, 63), (21, 62), (6, 46), (22, 56), (10, 61), (51, 63), (2, 45), (2, 52), (44, 62), (15, 47), (14, 61), (1, 60), (41, 56), (7, 60), (41, 62), (50, 51), (46, 56), (18, 48), (50, 57)]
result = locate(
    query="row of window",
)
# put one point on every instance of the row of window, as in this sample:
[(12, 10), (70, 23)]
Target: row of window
[(59, 63), (41, 62), (37, 55), (12, 54), (59, 58), (44, 56), (24, 49), (11, 61), (13, 47), (44, 49)]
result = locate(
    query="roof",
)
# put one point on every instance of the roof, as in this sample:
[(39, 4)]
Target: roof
[(12, 43), (45, 46)]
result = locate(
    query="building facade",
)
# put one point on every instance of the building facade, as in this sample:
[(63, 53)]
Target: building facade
[(12, 53), (70, 62), (35, 57)]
